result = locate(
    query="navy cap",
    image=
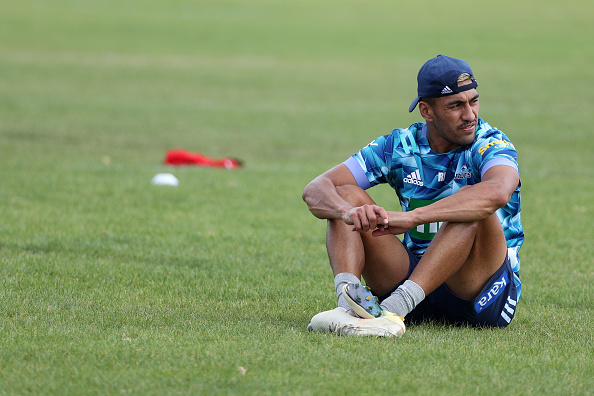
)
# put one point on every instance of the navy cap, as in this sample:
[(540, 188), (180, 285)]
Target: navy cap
[(439, 77)]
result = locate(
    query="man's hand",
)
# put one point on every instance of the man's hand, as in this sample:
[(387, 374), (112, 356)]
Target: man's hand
[(366, 217), (398, 223)]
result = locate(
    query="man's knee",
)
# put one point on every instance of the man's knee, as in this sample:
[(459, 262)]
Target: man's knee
[(354, 195), (470, 229)]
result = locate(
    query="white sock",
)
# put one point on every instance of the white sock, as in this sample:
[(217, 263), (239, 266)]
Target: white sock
[(339, 281), (404, 299)]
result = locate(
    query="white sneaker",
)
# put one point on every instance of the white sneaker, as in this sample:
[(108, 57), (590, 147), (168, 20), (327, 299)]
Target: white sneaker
[(339, 322)]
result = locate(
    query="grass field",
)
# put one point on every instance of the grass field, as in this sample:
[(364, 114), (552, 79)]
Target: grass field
[(110, 285)]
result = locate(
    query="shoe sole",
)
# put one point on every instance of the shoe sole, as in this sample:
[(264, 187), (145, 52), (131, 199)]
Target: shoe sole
[(339, 322), (358, 309)]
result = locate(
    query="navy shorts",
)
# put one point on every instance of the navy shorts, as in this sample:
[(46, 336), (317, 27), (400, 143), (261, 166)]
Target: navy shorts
[(494, 306)]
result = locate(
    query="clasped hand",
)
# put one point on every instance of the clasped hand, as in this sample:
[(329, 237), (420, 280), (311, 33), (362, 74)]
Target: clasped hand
[(377, 219)]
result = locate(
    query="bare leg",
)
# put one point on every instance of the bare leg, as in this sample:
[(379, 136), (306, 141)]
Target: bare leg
[(382, 261)]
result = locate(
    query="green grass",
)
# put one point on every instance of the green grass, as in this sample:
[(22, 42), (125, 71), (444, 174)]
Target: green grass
[(110, 285)]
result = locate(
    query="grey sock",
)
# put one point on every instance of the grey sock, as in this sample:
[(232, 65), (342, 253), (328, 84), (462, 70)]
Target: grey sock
[(404, 299), (339, 281)]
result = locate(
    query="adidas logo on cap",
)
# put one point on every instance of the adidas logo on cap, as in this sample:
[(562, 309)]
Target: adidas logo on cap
[(446, 90)]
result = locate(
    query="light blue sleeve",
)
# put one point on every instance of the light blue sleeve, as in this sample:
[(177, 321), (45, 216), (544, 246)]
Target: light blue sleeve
[(370, 165)]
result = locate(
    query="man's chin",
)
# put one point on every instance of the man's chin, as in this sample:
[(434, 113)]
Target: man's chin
[(467, 139)]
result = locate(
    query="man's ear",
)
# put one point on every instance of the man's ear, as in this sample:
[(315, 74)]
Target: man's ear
[(426, 111)]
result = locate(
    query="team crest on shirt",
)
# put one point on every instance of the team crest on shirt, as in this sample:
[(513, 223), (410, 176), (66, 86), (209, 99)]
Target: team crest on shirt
[(463, 174)]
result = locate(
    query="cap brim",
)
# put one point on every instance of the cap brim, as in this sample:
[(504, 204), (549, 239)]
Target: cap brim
[(414, 104)]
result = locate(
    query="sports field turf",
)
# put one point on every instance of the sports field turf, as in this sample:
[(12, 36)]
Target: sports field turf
[(110, 285)]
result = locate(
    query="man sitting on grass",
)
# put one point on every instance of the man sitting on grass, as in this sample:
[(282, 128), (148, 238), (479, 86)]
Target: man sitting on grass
[(458, 183)]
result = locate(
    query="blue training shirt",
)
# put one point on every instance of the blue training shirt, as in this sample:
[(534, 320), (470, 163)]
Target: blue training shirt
[(421, 176)]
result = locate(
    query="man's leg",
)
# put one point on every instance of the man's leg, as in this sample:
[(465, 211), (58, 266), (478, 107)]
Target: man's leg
[(382, 261)]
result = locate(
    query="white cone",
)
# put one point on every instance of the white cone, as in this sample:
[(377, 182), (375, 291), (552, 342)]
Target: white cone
[(165, 179)]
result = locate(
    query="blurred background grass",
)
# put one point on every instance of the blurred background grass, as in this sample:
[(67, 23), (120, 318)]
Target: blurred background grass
[(272, 77)]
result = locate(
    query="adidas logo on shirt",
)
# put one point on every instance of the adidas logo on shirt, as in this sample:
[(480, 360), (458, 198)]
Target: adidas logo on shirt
[(446, 90), (414, 178)]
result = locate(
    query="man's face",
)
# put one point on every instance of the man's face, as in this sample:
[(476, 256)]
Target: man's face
[(452, 120)]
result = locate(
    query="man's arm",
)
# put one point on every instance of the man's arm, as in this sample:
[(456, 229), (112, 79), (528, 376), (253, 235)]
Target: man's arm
[(325, 202), (471, 203)]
